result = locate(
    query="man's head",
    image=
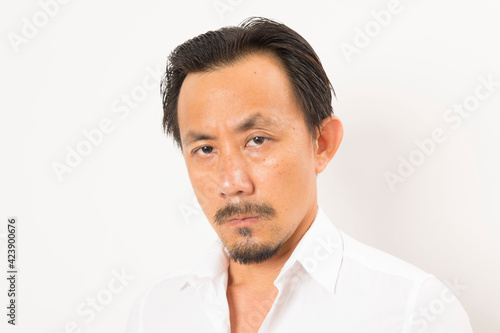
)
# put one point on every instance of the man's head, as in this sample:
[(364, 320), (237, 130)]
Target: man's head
[(250, 107)]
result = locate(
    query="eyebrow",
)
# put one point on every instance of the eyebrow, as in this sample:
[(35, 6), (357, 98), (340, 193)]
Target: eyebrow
[(255, 120)]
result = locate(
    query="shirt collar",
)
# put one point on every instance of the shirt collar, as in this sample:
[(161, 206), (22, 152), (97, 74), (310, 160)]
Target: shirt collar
[(208, 267), (319, 254)]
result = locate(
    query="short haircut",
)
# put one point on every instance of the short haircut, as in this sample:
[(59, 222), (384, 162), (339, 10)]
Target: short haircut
[(224, 47)]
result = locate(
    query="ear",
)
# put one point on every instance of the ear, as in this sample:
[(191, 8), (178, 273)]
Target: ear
[(327, 142)]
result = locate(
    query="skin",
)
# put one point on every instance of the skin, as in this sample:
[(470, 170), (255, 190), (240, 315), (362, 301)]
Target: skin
[(273, 160)]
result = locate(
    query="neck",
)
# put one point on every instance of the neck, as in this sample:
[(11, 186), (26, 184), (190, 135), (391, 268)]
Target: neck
[(261, 276)]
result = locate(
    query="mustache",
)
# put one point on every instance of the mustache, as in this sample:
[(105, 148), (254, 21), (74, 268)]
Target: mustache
[(246, 208)]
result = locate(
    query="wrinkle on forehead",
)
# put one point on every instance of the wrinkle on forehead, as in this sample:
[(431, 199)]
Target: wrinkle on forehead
[(256, 120), (231, 96)]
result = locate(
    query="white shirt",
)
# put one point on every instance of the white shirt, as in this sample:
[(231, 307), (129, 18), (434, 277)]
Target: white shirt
[(330, 283)]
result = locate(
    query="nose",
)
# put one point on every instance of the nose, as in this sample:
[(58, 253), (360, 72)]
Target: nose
[(234, 178)]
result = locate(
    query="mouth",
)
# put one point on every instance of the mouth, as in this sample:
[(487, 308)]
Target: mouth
[(243, 221)]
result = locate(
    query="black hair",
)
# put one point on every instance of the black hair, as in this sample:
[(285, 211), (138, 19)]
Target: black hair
[(223, 47)]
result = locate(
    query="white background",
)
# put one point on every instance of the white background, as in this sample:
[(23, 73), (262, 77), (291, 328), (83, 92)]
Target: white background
[(128, 205)]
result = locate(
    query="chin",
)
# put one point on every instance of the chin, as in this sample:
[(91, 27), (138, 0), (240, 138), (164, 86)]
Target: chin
[(248, 251)]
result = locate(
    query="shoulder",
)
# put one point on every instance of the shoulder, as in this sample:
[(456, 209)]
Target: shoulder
[(370, 259), (163, 302), (168, 285), (430, 306), (171, 300)]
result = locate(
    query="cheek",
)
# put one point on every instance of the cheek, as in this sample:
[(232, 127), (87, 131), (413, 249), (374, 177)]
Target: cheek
[(287, 175), (204, 187)]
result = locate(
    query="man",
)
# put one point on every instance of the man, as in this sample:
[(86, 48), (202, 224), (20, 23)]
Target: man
[(250, 108)]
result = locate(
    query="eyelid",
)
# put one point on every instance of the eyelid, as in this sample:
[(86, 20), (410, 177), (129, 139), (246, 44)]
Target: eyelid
[(194, 151), (259, 136)]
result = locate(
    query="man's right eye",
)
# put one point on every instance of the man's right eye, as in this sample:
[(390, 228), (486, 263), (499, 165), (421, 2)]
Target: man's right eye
[(204, 150)]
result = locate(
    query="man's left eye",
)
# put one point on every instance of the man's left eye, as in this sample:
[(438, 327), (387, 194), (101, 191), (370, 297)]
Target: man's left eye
[(257, 141)]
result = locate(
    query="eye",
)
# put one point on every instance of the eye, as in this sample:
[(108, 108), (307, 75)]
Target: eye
[(205, 150), (257, 141)]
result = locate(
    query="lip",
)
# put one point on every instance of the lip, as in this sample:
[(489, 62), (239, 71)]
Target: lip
[(243, 221)]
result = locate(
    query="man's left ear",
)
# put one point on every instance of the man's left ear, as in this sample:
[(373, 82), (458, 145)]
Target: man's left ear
[(327, 141)]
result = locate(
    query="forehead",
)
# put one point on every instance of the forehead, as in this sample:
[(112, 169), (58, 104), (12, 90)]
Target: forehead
[(225, 97)]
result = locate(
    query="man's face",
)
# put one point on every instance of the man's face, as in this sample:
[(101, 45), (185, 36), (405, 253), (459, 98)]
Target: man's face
[(249, 155)]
